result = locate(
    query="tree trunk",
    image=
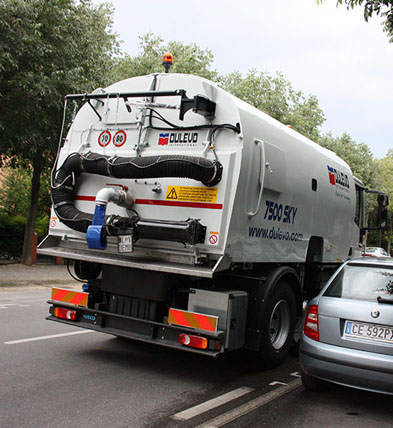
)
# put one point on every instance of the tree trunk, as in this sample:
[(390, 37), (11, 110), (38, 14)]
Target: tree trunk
[(390, 236), (35, 189)]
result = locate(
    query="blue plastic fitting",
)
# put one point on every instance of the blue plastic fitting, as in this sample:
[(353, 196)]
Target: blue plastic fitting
[(96, 232)]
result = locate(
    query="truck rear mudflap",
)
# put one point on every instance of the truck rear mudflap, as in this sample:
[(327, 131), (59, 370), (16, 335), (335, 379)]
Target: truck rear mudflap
[(171, 336)]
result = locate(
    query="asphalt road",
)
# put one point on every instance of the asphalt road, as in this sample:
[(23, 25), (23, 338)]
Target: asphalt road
[(56, 375)]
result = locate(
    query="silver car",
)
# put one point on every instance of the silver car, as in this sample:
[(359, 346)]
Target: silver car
[(348, 330)]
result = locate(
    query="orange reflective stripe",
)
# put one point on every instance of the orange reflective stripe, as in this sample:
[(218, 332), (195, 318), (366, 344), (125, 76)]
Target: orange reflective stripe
[(205, 322), (58, 294), (78, 298), (178, 318), (70, 296), (193, 320)]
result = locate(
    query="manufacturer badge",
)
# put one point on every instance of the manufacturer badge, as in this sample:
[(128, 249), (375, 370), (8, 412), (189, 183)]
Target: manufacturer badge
[(375, 313)]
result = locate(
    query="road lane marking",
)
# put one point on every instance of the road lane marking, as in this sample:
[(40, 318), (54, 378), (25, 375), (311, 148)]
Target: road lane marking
[(52, 336), (7, 302), (7, 305), (250, 406), (211, 404)]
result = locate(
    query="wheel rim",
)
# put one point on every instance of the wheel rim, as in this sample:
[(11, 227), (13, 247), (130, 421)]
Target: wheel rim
[(280, 324)]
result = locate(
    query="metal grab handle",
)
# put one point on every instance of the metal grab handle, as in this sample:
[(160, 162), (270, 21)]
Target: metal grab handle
[(261, 176)]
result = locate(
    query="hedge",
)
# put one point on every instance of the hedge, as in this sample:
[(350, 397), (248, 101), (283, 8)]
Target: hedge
[(12, 230)]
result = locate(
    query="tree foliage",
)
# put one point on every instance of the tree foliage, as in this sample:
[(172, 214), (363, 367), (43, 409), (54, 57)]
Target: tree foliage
[(275, 96), (15, 192), (385, 184), (188, 59), (46, 51)]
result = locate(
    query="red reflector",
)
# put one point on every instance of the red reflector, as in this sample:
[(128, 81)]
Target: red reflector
[(65, 314), (311, 323), (193, 341)]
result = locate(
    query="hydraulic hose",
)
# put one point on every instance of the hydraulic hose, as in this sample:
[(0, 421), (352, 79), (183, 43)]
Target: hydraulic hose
[(66, 177)]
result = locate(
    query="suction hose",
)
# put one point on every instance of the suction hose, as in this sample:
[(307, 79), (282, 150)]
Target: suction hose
[(66, 177)]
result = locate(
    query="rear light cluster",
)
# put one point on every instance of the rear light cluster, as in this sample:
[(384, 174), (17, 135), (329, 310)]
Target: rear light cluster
[(193, 341), (199, 342), (65, 314), (311, 323)]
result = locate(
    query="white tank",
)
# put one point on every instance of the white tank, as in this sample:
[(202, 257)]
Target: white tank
[(278, 190)]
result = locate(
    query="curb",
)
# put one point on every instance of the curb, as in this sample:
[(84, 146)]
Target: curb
[(36, 285)]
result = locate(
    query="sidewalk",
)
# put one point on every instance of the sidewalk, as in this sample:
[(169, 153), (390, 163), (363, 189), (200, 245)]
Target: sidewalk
[(35, 277)]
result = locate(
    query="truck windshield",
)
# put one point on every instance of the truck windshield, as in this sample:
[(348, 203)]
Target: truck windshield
[(362, 283)]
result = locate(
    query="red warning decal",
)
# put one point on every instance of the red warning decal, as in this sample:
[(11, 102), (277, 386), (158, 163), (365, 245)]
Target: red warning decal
[(104, 138), (119, 138)]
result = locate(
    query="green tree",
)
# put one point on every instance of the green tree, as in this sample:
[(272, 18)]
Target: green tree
[(188, 59), (275, 96), (15, 192), (383, 8), (385, 184), (46, 51)]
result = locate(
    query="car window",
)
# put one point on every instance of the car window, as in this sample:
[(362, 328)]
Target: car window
[(362, 283)]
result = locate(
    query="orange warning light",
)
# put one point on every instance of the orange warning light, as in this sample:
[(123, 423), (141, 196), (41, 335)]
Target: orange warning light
[(167, 61), (168, 57)]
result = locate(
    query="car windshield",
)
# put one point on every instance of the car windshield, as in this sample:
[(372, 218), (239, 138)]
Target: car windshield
[(362, 283)]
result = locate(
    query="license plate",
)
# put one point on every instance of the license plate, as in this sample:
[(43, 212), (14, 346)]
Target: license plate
[(374, 332), (124, 244)]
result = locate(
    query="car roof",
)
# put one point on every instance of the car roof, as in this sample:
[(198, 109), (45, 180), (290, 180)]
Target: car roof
[(378, 261)]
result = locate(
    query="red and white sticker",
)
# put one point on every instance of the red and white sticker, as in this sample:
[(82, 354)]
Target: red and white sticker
[(53, 222), (213, 238), (104, 138), (119, 138)]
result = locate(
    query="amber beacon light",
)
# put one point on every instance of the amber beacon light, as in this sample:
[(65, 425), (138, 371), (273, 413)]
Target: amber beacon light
[(167, 61)]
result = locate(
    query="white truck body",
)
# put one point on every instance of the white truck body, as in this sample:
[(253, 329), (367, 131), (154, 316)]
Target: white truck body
[(262, 232), (283, 162)]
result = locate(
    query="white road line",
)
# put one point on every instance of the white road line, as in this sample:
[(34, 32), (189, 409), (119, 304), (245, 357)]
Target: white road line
[(23, 301), (250, 406), (52, 336), (211, 404), (8, 305)]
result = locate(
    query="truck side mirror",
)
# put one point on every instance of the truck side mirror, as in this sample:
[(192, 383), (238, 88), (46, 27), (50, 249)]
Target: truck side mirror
[(383, 202)]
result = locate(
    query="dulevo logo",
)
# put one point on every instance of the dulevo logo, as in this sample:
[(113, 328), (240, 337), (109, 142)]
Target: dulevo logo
[(337, 177), (163, 139), (178, 138)]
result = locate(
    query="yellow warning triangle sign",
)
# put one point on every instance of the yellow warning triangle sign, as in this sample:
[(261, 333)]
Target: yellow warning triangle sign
[(172, 194)]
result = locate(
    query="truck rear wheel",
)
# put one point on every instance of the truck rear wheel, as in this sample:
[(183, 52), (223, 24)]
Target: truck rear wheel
[(278, 325)]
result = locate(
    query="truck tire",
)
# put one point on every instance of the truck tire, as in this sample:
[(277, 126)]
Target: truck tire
[(278, 325)]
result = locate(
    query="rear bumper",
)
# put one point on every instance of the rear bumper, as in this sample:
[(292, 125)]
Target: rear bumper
[(349, 367), (157, 261), (137, 329)]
